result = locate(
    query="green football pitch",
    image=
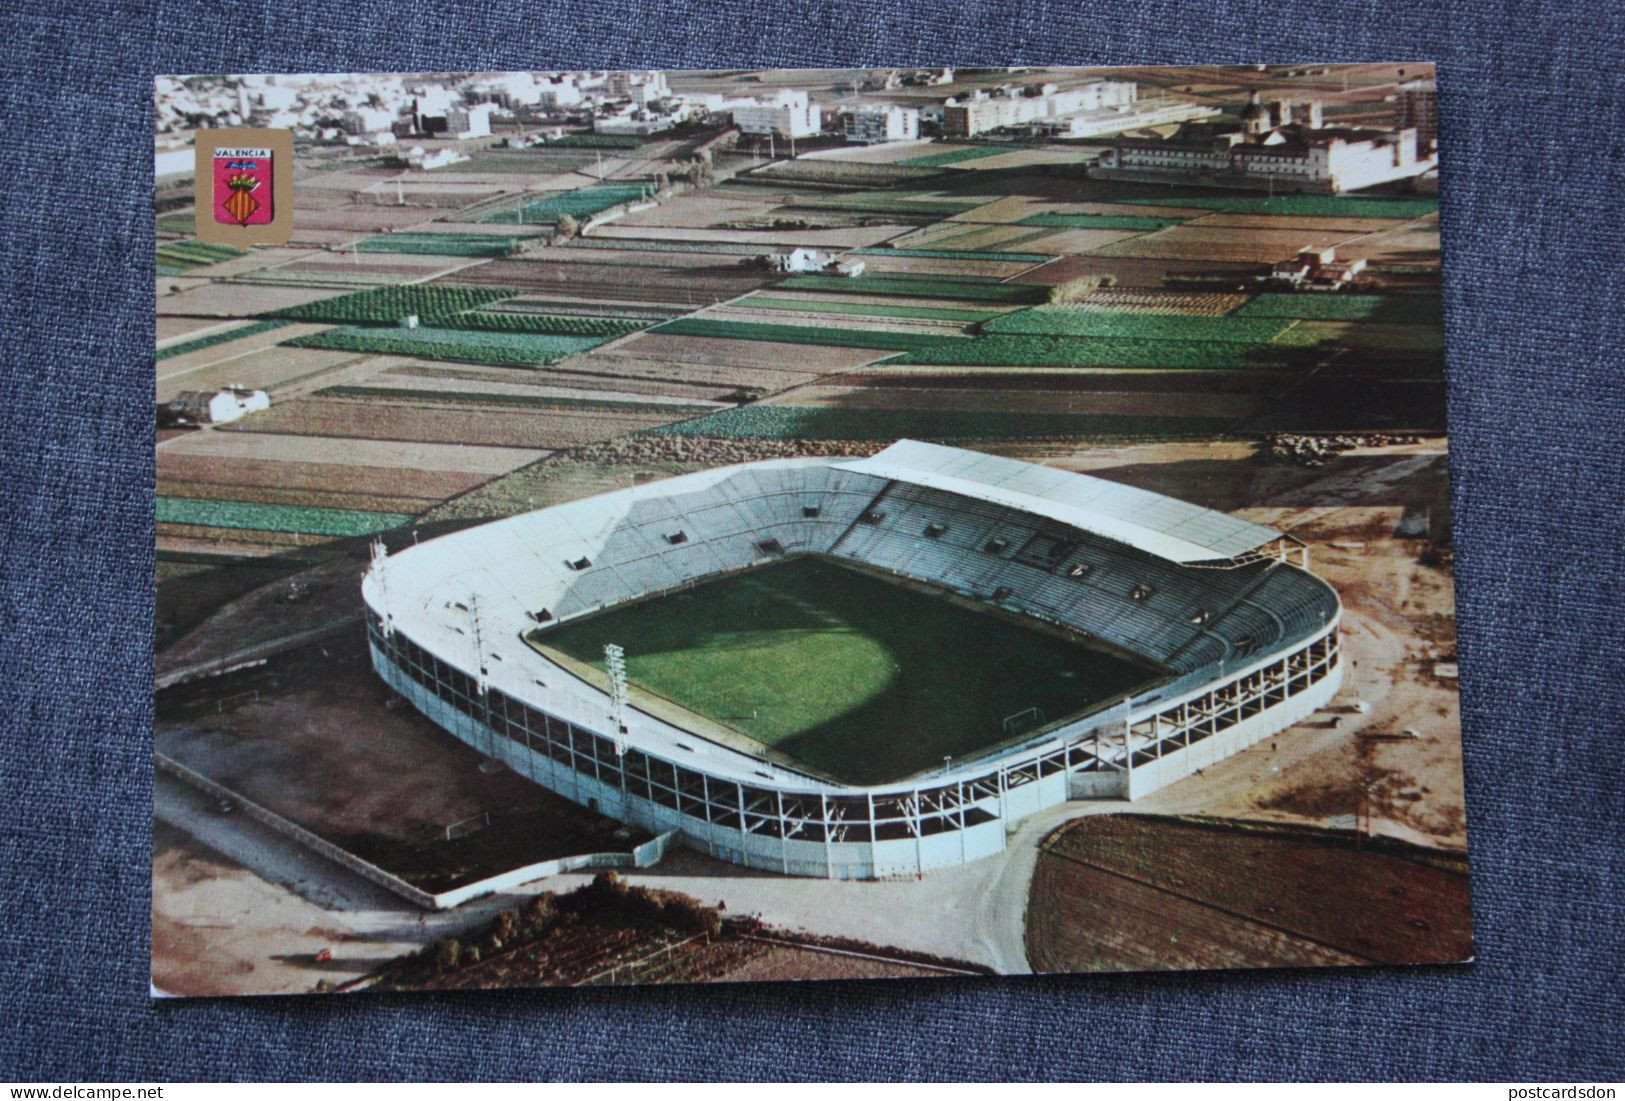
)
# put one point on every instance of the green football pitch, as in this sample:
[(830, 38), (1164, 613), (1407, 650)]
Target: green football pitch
[(857, 678)]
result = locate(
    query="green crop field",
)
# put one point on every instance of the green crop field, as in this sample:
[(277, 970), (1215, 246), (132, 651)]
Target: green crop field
[(387, 305), (176, 221), (1364, 335), (1400, 309), (562, 324), (182, 257), (960, 254), (826, 336), (808, 422), (865, 309), (961, 287), (443, 244), (210, 341), (1098, 221), (595, 141), (580, 204), (1137, 326), (1302, 206), (1052, 351), (858, 678), (954, 156), (248, 516), (453, 345)]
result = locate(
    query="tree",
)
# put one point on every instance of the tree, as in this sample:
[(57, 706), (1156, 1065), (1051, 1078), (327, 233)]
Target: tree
[(568, 226), (447, 952)]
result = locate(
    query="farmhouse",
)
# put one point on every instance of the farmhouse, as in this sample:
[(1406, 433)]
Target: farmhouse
[(219, 407)]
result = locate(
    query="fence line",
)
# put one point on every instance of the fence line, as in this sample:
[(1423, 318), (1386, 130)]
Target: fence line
[(664, 950), (861, 955)]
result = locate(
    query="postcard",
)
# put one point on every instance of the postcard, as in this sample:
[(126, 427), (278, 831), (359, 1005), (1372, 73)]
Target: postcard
[(719, 526)]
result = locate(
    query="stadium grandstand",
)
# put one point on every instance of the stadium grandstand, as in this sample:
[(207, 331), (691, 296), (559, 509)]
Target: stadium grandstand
[(1165, 636)]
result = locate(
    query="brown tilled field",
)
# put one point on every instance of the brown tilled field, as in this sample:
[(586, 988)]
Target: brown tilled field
[(587, 282), (1134, 272), (1218, 244), (1132, 892), (449, 422), (228, 473)]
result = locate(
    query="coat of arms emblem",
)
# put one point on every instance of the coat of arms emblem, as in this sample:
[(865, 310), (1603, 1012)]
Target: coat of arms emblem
[(242, 187)]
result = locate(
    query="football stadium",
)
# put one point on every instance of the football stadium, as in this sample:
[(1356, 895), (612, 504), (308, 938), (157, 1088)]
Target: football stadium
[(857, 668)]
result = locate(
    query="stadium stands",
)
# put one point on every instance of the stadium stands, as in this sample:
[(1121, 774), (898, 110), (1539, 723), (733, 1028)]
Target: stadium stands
[(1248, 641)]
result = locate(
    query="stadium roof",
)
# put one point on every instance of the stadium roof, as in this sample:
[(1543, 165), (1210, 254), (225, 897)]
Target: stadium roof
[(1147, 521)]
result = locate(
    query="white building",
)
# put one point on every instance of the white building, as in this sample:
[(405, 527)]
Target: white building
[(1290, 158), (787, 114), (1017, 106), (221, 407), (878, 122), (420, 158)]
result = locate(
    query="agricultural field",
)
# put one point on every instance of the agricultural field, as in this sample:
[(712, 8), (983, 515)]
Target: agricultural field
[(956, 155), (804, 334), (827, 172), (809, 422), (1064, 321), (469, 245), (821, 685), (287, 455), (711, 368), (602, 284), (1134, 892), (387, 305), (186, 257), (213, 339), (438, 418), (580, 205), (1099, 221), (1392, 309), (964, 288), (921, 204), (816, 305), (559, 324), (503, 348), (1050, 351), (272, 367), (1310, 206), (280, 518), (763, 238), (958, 254), (1253, 245)]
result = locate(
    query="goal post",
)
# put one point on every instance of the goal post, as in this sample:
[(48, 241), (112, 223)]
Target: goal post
[(1026, 719)]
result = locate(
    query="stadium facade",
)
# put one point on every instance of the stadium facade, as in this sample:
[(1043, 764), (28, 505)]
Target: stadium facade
[(1246, 636)]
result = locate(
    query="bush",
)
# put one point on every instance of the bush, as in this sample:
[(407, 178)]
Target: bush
[(1076, 290), (690, 916), (447, 953), (540, 912)]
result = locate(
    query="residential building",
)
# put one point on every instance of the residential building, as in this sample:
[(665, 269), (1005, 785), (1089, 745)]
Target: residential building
[(787, 114), (880, 122), (1418, 104)]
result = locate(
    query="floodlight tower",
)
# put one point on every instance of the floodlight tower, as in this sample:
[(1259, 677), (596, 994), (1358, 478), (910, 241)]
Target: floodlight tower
[(615, 662), (479, 644), (379, 554)]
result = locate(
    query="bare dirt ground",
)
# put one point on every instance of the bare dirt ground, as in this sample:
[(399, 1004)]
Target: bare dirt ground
[(1130, 892), (314, 735)]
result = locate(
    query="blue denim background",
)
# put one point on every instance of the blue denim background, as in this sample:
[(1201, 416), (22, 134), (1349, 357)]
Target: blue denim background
[(1532, 105)]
